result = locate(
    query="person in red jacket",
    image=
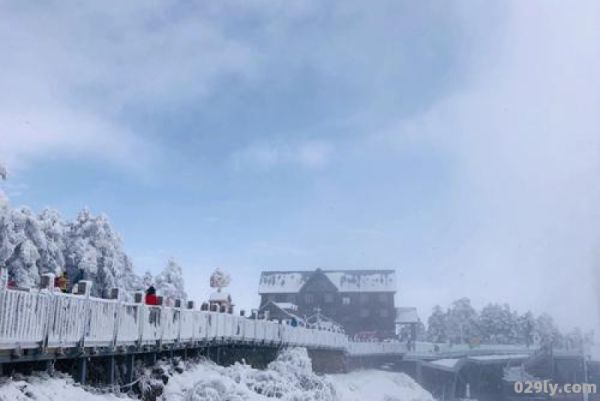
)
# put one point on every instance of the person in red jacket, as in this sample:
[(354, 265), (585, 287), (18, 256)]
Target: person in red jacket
[(151, 298)]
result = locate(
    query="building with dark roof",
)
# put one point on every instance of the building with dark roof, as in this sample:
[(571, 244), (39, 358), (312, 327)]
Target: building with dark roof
[(362, 301)]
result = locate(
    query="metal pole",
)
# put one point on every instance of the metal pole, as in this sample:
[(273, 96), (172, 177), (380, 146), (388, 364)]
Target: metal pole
[(111, 370), (81, 370), (130, 364), (585, 376)]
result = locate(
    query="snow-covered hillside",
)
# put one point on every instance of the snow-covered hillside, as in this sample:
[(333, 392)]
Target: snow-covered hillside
[(289, 378)]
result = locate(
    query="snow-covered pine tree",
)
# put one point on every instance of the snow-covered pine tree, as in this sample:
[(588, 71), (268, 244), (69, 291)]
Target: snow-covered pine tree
[(94, 252), (20, 241), (436, 325), (526, 328), (52, 256), (462, 321), (147, 279), (547, 330), (170, 283), (498, 324)]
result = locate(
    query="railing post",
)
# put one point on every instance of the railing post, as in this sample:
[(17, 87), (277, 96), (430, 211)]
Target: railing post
[(178, 304), (190, 306), (160, 320), (115, 294), (84, 288), (47, 283), (138, 298), (3, 277)]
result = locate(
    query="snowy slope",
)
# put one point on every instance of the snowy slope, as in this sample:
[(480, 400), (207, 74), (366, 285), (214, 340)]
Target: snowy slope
[(289, 378), (48, 389), (376, 385)]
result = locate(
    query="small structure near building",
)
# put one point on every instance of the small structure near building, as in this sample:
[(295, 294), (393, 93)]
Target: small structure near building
[(321, 322), (282, 311), (219, 300), (407, 318)]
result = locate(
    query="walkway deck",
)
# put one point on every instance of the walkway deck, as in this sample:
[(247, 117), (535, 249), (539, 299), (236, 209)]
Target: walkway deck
[(52, 323)]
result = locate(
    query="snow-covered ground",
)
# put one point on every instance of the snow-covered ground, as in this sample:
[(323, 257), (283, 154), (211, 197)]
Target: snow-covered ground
[(289, 378), (376, 385)]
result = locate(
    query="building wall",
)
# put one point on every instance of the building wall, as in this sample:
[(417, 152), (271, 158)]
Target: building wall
[(357, 312)]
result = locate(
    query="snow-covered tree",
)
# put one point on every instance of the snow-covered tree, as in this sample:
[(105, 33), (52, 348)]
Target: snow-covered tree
[(147, 279), (219, 279), (526, 328), (21, 240), (547, 330), (52, 256), (436, 325), (170, 283), (94, 252), (498, 324), (462, 321)]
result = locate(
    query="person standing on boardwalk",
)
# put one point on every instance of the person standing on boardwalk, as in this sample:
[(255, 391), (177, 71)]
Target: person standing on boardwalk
[(62, 282)]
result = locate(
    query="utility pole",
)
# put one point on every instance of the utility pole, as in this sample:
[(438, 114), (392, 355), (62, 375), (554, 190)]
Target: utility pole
[(585, 371)]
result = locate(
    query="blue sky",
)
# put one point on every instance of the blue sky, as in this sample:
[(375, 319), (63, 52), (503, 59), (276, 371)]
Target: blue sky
[(456, 142)]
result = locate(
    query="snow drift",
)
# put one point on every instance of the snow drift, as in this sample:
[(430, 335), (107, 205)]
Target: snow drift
[(288, 378)]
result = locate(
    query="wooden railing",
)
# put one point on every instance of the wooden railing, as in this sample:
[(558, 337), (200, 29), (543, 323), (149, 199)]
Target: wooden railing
[(48, 319)]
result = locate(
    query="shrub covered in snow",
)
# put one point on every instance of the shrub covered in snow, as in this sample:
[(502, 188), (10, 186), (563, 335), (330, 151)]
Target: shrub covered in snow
[(289, 378), (219, 279)]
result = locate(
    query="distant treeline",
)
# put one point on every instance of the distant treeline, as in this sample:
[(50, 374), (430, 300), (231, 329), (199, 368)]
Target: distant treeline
[(496, 324)]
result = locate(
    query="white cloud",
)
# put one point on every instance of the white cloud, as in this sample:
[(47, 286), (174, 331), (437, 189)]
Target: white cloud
[(308, 154), (69, 73), (525, 139)]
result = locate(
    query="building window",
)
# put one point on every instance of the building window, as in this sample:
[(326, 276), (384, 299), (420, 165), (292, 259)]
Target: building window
[(364, 312), (345, 300), (384, 312), (291, 298), (364, 298), (309, 298), (383, 298), (328, 298)]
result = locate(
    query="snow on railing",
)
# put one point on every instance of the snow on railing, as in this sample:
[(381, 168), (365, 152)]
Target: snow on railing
[(447, 350), (43, 318), (23, 318), (376, 348)]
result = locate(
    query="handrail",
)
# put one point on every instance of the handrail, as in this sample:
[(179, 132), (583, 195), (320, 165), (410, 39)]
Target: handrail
[(48, 320)]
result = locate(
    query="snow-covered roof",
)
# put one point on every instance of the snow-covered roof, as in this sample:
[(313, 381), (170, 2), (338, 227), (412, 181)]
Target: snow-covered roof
[(517, 373), (406, 315), (446, 362), (219, 297), (278, 282), (289, 313), (287, 306), (499, 357)]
